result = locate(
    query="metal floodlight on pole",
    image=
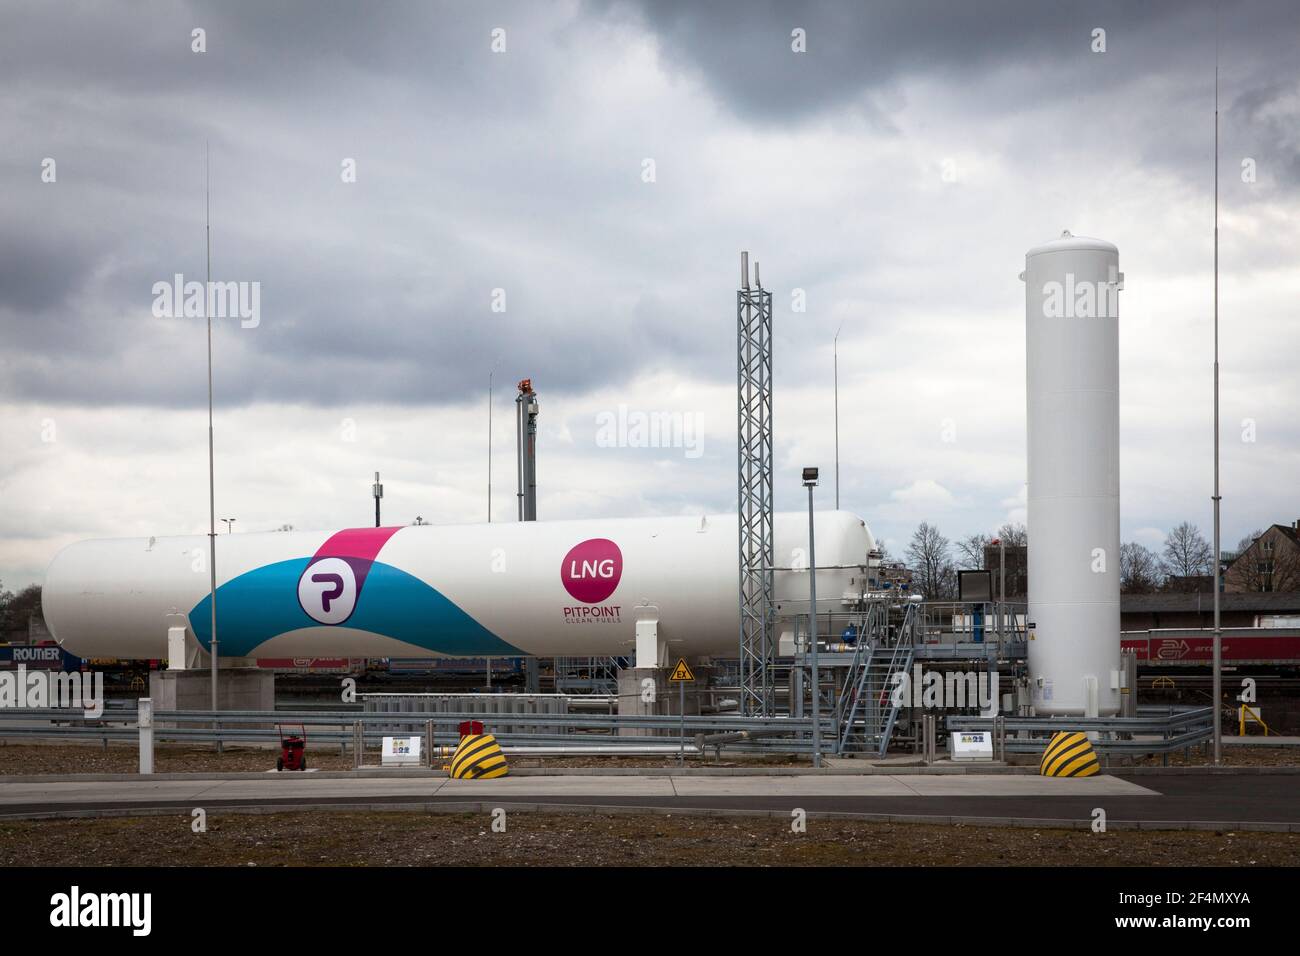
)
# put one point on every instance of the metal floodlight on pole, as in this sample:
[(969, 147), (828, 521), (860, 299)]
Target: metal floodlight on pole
[(230, 524), (378, 491), (810, 482), (212, 494)]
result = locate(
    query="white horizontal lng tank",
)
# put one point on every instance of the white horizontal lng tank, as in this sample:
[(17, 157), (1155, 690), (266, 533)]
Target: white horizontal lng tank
[(1072, 359), (553, 588)]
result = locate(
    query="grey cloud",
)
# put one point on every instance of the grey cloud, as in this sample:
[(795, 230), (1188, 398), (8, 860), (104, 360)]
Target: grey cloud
[(40, 272), (856, 49), (297, 51), (1001, 59), (469, 181)]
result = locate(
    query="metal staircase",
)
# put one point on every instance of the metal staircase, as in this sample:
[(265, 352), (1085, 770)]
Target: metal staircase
[(867, 705)]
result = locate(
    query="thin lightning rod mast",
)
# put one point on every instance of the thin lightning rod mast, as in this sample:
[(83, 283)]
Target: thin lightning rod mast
[(1218, 566), (212, 494), (490, 374), (835, 349)]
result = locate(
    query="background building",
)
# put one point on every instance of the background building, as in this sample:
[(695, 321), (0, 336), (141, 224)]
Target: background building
[(1271, 563)]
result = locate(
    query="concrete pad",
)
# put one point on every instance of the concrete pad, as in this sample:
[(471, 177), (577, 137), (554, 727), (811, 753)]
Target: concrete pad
[(562, 786), (25, 792), (300, 788), (321, 789), (825, 785), (894, 760), (145, 791), (974, 785)]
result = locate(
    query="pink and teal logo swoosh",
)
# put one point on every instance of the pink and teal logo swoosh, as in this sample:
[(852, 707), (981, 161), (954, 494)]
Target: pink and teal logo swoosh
[(330, 585), (343, 582)]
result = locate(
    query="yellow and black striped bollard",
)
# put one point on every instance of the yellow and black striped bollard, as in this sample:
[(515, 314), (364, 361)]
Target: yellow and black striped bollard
[(1069, 755), (478, 757)]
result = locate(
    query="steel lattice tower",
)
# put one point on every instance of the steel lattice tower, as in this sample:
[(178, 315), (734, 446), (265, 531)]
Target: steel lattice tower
[(754, 491)]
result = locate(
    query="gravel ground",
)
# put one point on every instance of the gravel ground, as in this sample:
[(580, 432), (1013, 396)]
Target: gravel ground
[(535, 839), (55, 758)]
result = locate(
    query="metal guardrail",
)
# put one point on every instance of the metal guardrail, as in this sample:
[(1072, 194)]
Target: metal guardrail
[(743, 734), (1155, 730)]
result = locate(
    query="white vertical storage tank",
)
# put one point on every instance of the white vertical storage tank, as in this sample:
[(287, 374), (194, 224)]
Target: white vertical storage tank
[(1072, 289)]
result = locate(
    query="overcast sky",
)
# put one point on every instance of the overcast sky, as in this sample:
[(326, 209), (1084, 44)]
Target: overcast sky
[(598, 177)]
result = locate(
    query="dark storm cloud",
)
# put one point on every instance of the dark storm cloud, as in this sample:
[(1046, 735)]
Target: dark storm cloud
[(1003, 58), (472, 177), (40, 272), (380, 294), (856, 50), (1263, 123), (296, 49)]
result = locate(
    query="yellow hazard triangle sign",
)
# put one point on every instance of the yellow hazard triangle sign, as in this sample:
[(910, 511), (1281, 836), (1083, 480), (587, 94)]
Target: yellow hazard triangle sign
[(681, 672)]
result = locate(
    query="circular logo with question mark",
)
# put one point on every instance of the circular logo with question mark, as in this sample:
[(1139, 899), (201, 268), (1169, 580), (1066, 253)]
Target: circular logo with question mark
[(327, 590)]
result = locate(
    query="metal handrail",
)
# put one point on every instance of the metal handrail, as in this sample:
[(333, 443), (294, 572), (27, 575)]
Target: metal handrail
[(904, 649), (581, 720), (855, 691), (892, 650), (865, 622)]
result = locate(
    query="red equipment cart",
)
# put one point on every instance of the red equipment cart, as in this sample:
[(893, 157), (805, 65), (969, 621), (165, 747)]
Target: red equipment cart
[(293, 748)]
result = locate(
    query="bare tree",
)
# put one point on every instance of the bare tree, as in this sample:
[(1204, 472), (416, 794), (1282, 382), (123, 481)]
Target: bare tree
[(1139, 569), (1186, 552), (930, 561), (15, 609), (1244, 544), (948, 582), (970, 551), (1013, 535)]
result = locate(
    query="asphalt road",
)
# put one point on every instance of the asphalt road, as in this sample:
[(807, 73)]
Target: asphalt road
[(1209, 799)]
